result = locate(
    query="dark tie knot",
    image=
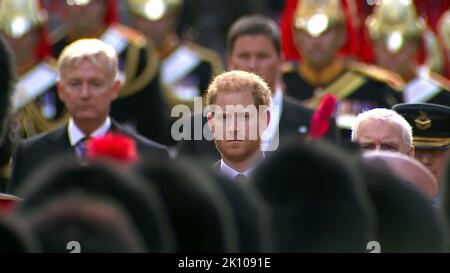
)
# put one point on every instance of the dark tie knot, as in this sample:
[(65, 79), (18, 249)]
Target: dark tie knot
[(241, 178), (83, 140), (81, 148)]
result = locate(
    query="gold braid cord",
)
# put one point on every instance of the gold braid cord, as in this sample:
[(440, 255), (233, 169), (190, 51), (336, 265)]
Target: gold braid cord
[(31, 121), (135, 83)]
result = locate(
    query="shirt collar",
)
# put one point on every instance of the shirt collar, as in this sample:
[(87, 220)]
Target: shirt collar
[(75, 133), (232, 173)]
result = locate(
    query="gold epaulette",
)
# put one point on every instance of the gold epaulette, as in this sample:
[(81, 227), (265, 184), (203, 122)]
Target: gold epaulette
[(133, 36), (287, 67), (377, 73), (440, 80), (207, 55)]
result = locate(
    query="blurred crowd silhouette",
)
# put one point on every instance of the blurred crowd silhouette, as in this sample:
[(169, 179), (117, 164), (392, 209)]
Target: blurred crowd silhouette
[(307, 197)]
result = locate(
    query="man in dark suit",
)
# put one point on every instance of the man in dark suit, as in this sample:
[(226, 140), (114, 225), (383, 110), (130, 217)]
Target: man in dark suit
[(254, 45), (238, 103), (140, 104), (87, 84)]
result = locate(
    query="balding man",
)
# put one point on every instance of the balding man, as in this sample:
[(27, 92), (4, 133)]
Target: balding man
[(383, 129)]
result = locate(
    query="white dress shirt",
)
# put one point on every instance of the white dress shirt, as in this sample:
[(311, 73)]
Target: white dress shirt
[(232, 173), (75, 133)]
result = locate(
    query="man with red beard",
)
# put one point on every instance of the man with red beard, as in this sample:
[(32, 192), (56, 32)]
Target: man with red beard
[(239, 103)]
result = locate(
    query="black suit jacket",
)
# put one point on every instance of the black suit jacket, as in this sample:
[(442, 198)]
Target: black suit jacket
[(295, 120), (33, 153)]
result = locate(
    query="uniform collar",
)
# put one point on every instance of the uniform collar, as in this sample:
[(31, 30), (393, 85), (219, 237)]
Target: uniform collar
[(325, 76)]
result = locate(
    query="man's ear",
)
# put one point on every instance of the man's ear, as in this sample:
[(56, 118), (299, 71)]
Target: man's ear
[(116, 89), (211, 122), (229, 62), (412, 151), (60, 90)]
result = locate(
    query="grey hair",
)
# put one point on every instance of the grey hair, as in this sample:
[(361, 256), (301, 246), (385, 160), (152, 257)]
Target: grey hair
[(89, 49), (386, 115)]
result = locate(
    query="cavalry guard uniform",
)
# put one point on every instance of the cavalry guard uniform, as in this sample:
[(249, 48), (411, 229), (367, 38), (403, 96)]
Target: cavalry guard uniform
[(187, 72), (427, 87), (394, 23), (443, 28), (357, 86), (139, 104), (35, 106), (186, 68)]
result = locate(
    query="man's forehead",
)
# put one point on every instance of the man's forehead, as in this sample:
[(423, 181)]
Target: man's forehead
[(242, 96), (370, 139), (380, 125), (239, 42), (98, 62), (231, 108), (82, 3)]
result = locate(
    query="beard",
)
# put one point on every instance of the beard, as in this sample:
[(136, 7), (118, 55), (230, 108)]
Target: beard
[(238, 151)]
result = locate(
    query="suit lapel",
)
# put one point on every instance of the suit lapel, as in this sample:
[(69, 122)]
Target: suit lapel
[(286, 120), (216, 166), (116, 128), (293, 119), (60, 139)]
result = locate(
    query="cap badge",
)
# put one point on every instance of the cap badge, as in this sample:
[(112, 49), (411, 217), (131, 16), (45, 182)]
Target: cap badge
[(423, 122)]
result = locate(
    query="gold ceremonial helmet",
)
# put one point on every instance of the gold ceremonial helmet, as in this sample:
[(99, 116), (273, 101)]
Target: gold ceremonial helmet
[(18, 17), (395, 21), (317, 16), (154, 10), (444, 29)]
